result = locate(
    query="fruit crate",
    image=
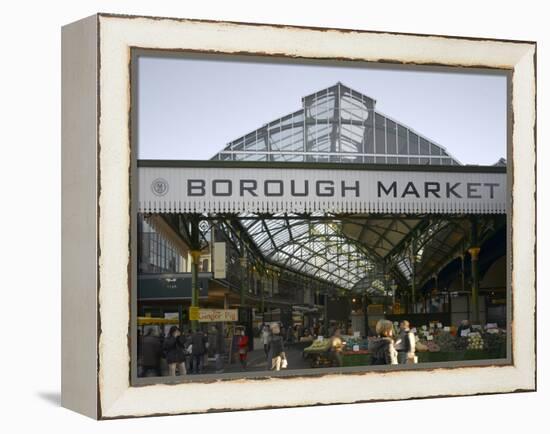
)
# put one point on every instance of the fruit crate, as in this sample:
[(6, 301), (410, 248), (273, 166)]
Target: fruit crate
[(359, 359)]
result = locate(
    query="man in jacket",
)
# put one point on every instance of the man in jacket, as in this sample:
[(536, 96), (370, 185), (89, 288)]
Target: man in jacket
[(151, 352), (405, 343)]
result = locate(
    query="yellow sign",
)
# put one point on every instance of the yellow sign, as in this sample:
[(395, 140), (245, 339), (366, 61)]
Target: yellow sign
[(194, 313), (213, 315)]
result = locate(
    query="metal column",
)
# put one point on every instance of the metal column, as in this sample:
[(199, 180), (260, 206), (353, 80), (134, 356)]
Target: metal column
[(195, 258), (413, 275), (474, 256)]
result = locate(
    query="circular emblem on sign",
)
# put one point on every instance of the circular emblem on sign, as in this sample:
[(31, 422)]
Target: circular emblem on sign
[(204, 226), (159, 187)]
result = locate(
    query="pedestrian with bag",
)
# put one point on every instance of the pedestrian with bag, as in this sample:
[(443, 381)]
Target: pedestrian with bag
[(277, 350)]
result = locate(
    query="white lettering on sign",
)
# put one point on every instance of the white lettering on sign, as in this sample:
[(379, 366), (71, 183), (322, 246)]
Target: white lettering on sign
[(266, 189)]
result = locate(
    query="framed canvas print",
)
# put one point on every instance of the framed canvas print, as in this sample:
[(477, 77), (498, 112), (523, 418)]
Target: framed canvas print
[(261, 216)]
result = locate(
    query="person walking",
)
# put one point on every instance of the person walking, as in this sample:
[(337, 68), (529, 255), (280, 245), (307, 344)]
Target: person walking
[(198, 349), (175, 352), (216, 347), (266, 338), (405, 343), (242, 345), (151, 352), (382, 348), (277, 354)]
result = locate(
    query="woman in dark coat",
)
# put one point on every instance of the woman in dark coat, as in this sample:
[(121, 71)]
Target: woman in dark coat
[(175, 352)]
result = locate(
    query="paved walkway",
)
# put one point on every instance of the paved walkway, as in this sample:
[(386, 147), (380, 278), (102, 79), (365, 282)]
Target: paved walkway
[(256, 361)]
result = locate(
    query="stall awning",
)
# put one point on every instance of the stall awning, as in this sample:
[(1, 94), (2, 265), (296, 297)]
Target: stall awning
[(255, 187)]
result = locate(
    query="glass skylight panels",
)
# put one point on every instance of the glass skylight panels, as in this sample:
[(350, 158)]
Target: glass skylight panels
[(391, 135), (339, 122), (380, 134), (402, 139), (413, 144)]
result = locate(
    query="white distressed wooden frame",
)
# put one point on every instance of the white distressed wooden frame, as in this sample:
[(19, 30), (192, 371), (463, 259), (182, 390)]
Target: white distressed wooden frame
[(96, 215)]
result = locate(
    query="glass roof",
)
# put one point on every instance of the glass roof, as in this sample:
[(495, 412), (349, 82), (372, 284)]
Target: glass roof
[(316, 247), (337, 124)]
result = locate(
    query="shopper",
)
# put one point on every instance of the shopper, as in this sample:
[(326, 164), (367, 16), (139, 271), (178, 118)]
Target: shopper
[(242, 345), (289, 335), (175, 352), (336, 348), (276, 350), (216, 347), (266, 338), (382, 348), (282, 331), (405, 343), (151, 352), (198, 349), (463, 327)]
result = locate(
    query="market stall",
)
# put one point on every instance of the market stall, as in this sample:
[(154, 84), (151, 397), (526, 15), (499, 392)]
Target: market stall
[(444, 344)]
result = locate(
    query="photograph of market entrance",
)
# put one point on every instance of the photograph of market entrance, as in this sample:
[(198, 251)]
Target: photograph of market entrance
[(331, 237)]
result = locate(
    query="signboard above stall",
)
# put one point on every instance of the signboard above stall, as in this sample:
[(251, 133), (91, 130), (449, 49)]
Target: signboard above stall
[(170, 286), (213, 315)]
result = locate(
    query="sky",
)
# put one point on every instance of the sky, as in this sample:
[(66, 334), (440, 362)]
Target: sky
[(189, 108)]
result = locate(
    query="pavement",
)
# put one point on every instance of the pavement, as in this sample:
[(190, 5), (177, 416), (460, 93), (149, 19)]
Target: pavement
[(257, 361)]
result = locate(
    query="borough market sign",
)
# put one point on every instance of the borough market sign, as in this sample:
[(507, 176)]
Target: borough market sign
[(184, 187)]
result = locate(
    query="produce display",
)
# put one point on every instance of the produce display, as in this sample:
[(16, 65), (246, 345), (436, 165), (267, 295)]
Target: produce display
[(475, 342), (318, 346), (421, 346), (432, 347), (351, 341), (433, 344), (442, 344), (461, 343), (494, 341), (446, 341)]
